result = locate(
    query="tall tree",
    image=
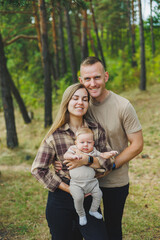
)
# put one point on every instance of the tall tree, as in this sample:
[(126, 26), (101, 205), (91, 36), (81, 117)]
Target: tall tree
[(151, 27), (35, 14), (78, 33), (12, 140), (46, 64), (55, 40), (93, 47), (19, 99), (71, 46), (97, 36), (62, 43), (133, 35), (142, 45), (84, 35)]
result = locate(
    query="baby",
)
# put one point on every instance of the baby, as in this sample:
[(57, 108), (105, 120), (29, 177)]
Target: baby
[(83, 179)]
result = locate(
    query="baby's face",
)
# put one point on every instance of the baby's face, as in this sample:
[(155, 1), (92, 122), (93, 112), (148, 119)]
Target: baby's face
[(85, 143)]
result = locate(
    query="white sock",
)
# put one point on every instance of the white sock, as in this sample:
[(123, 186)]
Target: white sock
[(96, 215), (82, 220)]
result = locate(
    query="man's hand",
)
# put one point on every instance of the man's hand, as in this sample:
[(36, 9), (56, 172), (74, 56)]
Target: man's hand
[(100, 175)]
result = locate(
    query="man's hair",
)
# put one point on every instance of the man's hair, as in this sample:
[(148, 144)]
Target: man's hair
[(83, 130), (90, 61)]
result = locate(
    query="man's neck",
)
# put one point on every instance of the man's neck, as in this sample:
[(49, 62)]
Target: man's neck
[(102, 97)]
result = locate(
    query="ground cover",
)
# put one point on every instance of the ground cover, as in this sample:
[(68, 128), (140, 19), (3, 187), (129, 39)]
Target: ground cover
[(22, 199)]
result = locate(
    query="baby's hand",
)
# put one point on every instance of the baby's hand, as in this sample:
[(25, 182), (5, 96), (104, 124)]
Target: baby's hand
[(110, 154)]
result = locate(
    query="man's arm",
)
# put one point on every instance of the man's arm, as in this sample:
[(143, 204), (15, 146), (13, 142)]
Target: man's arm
[(135, 147)]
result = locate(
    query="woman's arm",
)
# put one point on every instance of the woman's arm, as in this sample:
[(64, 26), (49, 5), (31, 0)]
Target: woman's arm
[(63, 186), (41, 167)]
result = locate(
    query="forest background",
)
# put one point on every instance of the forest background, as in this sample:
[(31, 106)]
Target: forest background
[(41, 46)]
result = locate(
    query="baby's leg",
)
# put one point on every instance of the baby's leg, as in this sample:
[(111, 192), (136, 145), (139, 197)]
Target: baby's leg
[(78, 198), (97, 196)]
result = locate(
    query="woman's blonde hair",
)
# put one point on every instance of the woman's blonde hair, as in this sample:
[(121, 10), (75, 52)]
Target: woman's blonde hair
[(63, 114)]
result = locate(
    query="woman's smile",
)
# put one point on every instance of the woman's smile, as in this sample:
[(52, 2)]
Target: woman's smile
[(78, 104)]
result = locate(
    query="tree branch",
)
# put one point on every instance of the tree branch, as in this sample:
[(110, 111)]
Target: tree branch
[(13, 12), (18, 37), (9, 36)]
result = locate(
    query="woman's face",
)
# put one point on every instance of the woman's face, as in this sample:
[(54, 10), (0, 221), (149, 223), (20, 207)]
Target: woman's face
[(78, 104)]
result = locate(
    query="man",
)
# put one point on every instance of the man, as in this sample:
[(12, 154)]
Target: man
[(118, 117)]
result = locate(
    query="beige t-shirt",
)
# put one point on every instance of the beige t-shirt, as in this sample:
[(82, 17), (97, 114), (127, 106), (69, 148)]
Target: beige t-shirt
[(118, 117)]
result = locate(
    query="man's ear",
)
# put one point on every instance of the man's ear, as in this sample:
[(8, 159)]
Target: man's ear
[(106, 76), (80, 79)]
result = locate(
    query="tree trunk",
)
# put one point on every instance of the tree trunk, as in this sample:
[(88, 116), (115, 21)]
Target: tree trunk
[(55, 41), (35, 14), (151, 27), (84, 35), (96, 31), (78, 32), (129, 32), (71, 47), (46, 64), (94, 49), (19, 100), (12, 140), (108, 39), (142, 44), (134, 64), (62, 44)]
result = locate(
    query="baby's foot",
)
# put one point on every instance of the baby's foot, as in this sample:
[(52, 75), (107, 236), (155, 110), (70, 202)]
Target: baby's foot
[(82, 220), (96, 215)]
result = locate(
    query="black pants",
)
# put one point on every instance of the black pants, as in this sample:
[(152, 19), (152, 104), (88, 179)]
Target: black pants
[(63, 220), (114, 201)]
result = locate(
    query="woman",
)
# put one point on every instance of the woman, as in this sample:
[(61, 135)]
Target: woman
[(60, 212)]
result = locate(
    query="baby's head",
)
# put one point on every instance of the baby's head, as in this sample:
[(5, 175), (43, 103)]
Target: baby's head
[(84, 140)]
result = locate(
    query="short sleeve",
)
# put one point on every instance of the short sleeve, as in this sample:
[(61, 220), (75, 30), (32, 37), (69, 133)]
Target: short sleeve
[(130, 120)]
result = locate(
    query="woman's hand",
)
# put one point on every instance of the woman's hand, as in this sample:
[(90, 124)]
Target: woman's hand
[(75, 160), (57, 166), (88, 194)]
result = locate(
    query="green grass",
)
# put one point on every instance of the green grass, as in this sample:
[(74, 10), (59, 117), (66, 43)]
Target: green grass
[(22, 207), (23, 200)]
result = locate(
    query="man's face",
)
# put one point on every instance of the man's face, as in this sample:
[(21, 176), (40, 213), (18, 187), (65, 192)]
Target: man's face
[(94, 78)]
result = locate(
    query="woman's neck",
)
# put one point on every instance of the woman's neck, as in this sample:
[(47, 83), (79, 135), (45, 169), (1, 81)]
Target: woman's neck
[(75, 123)]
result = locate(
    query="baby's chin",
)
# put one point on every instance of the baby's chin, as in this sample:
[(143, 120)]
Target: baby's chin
[(86, 151)]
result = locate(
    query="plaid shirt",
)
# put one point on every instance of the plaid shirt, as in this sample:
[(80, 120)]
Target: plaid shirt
[(53, 149)]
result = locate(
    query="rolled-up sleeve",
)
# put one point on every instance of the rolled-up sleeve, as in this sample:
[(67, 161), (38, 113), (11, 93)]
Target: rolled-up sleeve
[(41, 167)]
